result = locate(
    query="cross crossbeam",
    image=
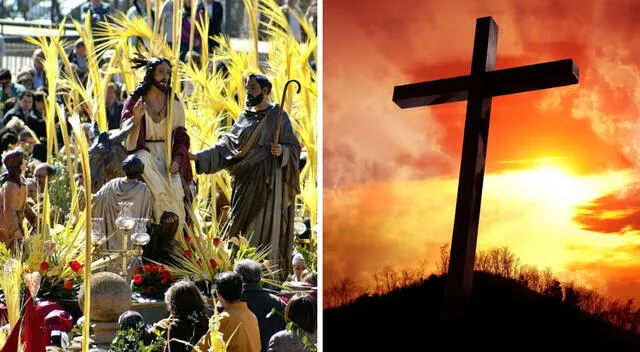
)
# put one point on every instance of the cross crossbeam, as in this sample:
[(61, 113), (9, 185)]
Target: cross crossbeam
[(502, 82)]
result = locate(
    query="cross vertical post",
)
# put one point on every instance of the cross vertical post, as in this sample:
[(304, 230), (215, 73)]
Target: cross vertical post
[(474, 149)]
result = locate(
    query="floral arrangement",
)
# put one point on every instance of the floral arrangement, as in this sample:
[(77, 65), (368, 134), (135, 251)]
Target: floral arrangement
[(151, 280), (52, 287), (201, 254), (58, 259)]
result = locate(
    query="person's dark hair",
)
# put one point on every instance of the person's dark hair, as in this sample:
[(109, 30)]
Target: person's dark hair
[(229, 285), (12, 162), (133, 166), (39, 152), (262, 81), (301, 310), (5, 74), (130, 320), (39, 96), (6, 140), (50, 170), (24, 135), (79, 43), (250, 270), (10, 103), (25, 92), (188, 320), (183, 299), (151, 66)]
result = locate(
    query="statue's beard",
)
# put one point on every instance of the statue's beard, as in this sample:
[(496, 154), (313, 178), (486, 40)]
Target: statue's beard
[(164, 89), (254, 101)]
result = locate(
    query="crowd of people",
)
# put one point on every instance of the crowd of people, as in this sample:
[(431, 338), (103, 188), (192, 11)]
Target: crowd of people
[(254, 317)]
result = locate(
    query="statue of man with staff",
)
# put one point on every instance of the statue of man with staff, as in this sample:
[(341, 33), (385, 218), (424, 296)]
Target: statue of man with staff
[(261, 152)]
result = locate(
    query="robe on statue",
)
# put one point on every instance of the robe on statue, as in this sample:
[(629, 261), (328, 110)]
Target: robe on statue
[(105, 205), (264, 186), (147, 140)]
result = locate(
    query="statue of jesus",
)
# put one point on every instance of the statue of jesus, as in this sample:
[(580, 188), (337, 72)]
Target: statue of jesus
[(147, 108)]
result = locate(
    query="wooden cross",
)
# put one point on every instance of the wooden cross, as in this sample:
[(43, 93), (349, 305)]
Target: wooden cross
[(478, 88)]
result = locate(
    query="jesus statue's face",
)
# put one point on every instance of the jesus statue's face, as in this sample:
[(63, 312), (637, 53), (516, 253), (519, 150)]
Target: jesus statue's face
[(161, 77)]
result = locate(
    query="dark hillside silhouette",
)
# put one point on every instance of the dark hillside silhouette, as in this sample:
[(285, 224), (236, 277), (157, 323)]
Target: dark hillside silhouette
[(505, 315)]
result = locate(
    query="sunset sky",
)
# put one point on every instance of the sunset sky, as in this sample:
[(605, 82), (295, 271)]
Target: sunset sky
[(562, 178)]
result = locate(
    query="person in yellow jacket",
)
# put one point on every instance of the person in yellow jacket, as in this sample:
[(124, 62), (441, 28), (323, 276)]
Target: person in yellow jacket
[(239, 326)]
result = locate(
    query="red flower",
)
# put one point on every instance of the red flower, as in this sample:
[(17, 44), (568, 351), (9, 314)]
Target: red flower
[(68, 285), (164, 280), (136, 270), (188, 253), (150, 268), (138, 279), (187, 239), (75, 266), (216, 241), (150, 291), (162, 269), (165, 275), (44, 266), (213, 263)]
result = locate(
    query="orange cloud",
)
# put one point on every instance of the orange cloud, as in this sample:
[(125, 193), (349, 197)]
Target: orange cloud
[(617, 212)]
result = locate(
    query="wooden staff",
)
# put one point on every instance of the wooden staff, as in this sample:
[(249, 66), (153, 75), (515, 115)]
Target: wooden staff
[(284, 95)]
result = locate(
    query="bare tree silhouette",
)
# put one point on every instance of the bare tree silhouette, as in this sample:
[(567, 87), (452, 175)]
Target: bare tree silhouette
[(443, 264)]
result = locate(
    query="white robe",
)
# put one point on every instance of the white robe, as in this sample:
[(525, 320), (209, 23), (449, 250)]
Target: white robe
[(166, 196), (105, 205)]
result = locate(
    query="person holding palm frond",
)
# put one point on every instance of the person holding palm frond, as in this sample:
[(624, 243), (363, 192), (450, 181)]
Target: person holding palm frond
[(147, 109), (265, 175)]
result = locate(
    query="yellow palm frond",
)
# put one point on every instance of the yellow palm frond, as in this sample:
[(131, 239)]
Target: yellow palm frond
[(252, 8), (83, 148)]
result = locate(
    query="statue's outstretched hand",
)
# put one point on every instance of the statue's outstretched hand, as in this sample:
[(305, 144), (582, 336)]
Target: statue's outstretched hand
[(138, 111)]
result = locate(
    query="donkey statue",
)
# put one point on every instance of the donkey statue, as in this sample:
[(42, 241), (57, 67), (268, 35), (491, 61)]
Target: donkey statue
[(106, 155)]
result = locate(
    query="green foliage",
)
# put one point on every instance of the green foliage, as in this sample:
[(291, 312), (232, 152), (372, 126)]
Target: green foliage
[(310, 254), (134, 340), (60, 191)]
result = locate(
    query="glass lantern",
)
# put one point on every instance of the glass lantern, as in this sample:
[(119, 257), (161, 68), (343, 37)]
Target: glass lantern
[(125, 220), (299, 227), (98, 235), (140, 237)]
